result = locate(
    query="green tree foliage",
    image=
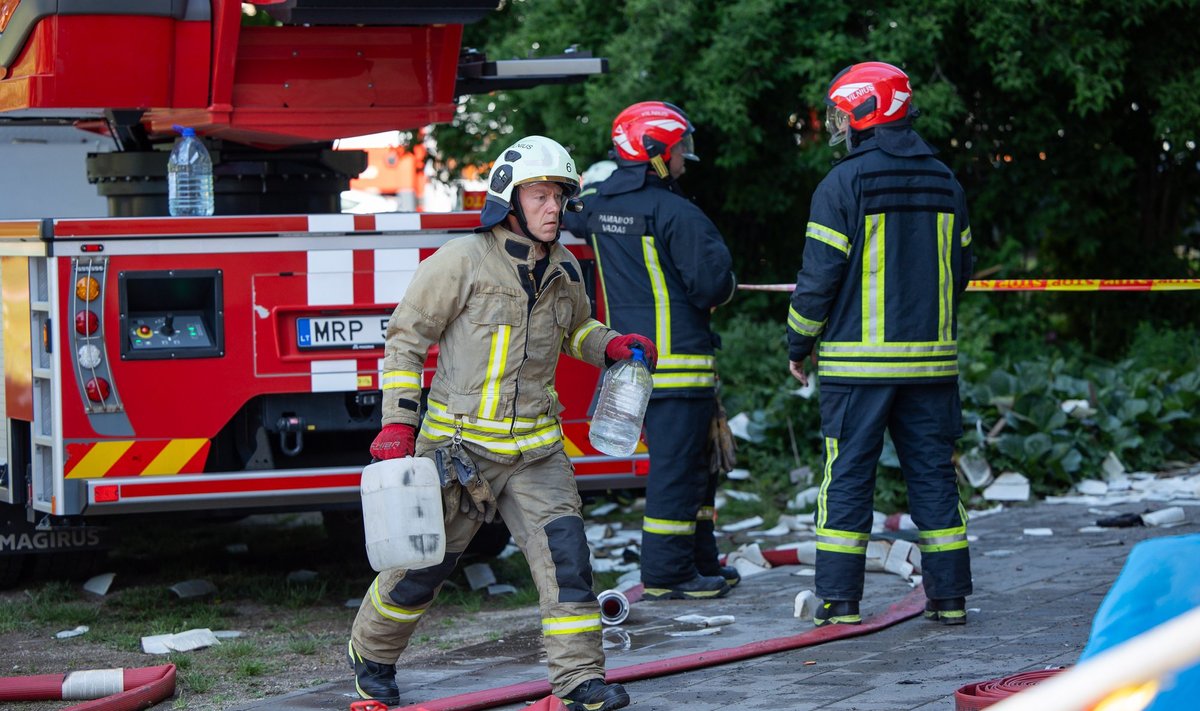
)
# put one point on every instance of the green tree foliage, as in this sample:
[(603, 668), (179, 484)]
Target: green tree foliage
[(1072, 125)]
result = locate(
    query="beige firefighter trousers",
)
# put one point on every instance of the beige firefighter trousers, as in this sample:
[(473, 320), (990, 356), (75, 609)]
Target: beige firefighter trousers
[(540, 504)]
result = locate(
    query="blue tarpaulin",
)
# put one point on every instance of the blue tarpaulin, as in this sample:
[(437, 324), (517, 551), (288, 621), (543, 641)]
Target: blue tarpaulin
[(1160, 581)]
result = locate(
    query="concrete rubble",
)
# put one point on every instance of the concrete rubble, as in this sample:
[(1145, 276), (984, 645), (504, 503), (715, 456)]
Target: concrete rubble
[(479, 575), (67, 634), (180, 642), (193, 589), (99, 584), (1009, 486)]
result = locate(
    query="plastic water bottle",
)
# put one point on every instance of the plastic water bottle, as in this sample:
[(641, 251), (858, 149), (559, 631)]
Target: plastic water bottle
[(189, 176), (402, 513), (624, 394)]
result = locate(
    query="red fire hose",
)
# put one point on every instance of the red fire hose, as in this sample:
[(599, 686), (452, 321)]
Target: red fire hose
[(107, 689), (982, 694), (910, 606)]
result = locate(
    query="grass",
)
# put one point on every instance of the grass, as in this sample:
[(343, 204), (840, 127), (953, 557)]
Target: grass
[(286, 625)]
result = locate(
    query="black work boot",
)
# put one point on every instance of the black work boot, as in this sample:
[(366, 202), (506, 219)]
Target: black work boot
[(595, 695), (837, 612), (374, 680), (701, 587), (728, 572), (952, 611)]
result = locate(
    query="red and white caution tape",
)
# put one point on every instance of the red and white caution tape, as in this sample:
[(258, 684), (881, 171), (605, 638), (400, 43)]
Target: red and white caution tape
[(1044, 285)]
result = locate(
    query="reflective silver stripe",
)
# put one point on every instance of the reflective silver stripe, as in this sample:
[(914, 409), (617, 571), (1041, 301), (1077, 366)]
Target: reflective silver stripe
[(576, 347), (842, 541), (966, 237), (804, 326), (685, 380), (945, 275), (942, 540), (571, 625), (681, 362), (668, 528), (662, 297), (489, 400), (394, 379), (500, 436), (895, 350), (391, 611), (873, 281), (886, 370), (438, 431), (833, 238), (440, 411)]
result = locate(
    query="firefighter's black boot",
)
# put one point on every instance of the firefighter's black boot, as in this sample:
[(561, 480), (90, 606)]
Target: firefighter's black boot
[(728, 572), (731, 575), (837, 612), (595, 695), (374, 680), (949, 612), (701, 587)]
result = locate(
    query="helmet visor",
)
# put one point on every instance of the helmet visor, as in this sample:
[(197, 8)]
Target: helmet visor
[(837, 123), (687, 147)]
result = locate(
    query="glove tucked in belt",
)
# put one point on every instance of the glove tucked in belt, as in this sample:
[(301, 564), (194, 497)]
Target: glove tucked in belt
[(457, 471), (722, 450)]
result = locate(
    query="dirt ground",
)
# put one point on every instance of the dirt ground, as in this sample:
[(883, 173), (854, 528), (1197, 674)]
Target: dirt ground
[(29, 653), (280, 649)]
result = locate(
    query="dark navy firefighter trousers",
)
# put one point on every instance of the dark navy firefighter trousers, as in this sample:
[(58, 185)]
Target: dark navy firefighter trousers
[(676, 544), (925, 421)]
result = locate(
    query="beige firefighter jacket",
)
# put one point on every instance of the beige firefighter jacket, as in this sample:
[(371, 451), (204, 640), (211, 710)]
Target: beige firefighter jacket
[(494, 383)]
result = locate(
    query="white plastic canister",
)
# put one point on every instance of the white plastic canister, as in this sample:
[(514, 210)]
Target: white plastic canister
[(402, 513)]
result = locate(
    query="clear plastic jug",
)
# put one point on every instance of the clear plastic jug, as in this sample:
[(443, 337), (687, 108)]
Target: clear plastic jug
[(402, 513), (189, 177), (621, 407)]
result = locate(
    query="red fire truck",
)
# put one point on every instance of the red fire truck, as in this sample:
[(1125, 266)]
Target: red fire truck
[(157, 365)]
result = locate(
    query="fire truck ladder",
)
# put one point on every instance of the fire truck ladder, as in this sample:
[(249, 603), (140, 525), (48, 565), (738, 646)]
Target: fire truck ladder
[(45, 415)]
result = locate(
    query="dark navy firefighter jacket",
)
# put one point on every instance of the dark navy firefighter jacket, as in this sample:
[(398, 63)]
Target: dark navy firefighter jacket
[(887, 251), (663, 266)]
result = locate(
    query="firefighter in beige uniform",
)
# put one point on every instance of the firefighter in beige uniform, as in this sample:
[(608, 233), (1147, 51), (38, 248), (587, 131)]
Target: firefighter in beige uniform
[(501, 304)]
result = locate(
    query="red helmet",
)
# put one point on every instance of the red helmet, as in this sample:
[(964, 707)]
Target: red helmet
[(866, 95), (648, 131)]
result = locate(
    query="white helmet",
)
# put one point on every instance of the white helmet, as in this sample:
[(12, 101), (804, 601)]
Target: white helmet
[(533, 159)]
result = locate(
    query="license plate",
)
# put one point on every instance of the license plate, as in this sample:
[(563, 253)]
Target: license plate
[(355, 332)]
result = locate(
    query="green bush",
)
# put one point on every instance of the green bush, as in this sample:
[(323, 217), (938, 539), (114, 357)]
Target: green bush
[(753, 364)]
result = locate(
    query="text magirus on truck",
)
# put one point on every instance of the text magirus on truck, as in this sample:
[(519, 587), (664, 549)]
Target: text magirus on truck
[(225, 364)]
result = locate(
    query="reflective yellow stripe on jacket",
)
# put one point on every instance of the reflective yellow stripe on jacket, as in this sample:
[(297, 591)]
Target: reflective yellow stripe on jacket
[(503, 436), (874, 356), (674, 370)]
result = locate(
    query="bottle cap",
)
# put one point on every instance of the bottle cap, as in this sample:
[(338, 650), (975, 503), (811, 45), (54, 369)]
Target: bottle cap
[(185, 131), (638, 354)]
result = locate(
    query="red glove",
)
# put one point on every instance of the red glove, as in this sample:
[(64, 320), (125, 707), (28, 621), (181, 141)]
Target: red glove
[(621, 348), (393, 442)]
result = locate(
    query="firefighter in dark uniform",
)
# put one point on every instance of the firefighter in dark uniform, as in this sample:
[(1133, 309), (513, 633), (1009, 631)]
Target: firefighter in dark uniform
[(664, 266), (886, 255)]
